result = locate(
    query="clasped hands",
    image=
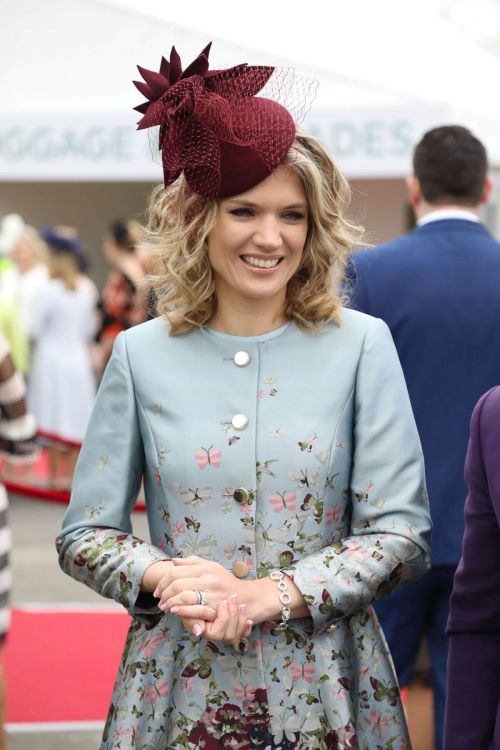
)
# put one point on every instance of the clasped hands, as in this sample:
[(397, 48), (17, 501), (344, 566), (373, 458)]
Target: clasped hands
[(224, 616)]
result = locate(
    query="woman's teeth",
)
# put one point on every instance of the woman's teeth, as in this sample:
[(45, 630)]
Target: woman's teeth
[(260, 263)]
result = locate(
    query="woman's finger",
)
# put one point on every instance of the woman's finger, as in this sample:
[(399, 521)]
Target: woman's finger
[(244, 626), (216, 629), (195, 611), (176, 574), (190, 560), (185, 585), (194, 626), (231, 629), (185, 598)]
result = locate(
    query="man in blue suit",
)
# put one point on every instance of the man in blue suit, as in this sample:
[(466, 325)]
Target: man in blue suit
[(438, 289)]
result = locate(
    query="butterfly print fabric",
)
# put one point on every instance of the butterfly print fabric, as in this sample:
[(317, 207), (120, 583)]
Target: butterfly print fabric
[(325, 482)]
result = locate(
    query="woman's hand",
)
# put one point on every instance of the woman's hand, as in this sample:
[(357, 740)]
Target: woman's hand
[(161, 570), (225, 621), (180, 585), (230, 624), (178, 588)]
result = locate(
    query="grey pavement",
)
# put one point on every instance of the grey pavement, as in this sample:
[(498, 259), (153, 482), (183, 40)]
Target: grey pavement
[(37, 578)]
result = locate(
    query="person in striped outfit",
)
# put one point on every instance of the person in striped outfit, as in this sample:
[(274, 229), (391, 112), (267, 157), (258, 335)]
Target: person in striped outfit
[(17, 440)]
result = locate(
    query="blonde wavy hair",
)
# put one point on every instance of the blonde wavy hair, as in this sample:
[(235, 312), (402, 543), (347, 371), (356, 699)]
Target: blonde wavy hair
[(64, 265), (179, 222)]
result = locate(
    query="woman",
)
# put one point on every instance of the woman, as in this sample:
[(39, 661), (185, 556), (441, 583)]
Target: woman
[(473, 687), (123, 297), (282, 468), (61, 386), (30, 275), (17, 433)]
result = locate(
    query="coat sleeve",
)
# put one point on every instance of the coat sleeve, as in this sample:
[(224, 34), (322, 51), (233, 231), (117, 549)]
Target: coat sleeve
[(389, 536), (96, 545), (473, 690)]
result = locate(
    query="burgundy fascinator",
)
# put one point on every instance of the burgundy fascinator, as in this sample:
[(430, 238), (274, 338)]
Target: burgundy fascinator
[(213, 127)]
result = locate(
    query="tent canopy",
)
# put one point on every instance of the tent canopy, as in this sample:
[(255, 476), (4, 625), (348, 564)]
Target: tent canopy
[(67, 67)]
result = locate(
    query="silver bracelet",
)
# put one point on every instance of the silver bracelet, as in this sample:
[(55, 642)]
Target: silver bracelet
[(285, 599)]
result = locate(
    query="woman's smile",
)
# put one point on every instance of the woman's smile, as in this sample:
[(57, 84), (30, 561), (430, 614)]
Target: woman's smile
[(261, 264)]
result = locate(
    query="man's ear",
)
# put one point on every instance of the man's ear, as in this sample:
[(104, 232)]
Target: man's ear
[(487, 188), (414, 192)]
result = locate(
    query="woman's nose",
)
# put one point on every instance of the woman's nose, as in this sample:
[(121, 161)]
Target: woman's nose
[(268, 234)]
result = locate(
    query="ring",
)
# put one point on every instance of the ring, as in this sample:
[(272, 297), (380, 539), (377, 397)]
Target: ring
[(202, 599)]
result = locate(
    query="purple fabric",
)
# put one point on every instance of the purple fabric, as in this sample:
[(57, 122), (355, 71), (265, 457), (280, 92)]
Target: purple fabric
[(473, 689)]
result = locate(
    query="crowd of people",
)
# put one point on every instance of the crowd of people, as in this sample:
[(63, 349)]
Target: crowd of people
[(60, 329), (280, 432)]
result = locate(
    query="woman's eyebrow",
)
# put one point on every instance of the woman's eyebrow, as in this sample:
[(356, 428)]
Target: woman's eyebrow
[(251, 204), (242, 202)]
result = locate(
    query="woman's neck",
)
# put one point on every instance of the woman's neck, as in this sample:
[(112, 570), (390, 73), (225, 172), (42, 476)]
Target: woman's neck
[(248, 320)]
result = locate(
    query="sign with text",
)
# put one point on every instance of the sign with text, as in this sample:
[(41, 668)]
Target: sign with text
[(373, 143), (104, 147), (76, 147)]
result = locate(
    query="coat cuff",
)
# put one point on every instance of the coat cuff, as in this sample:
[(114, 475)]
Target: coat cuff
[(323, 610)]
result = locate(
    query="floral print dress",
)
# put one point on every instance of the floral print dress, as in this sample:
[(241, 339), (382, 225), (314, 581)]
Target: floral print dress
[(294, 451)]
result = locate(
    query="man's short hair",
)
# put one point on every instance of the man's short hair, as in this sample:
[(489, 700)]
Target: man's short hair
[(451, 166)]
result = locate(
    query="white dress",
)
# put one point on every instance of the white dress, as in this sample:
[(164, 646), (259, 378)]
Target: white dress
[(61, 388)]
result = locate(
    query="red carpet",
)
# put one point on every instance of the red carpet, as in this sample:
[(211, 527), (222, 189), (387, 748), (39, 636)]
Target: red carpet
[(32, 480), (61, 665)]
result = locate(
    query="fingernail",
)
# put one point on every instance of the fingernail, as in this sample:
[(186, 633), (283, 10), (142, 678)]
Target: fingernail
[(156, 593), (251, 623), (174, 610), (197, 629), (243, 608), (233, 597), (162, 607)]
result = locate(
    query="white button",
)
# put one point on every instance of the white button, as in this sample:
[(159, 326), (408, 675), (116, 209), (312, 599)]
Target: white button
[(242, 359), (331, 628), (239, 421)]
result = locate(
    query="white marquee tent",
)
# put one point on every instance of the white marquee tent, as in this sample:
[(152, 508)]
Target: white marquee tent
[(386, 72)]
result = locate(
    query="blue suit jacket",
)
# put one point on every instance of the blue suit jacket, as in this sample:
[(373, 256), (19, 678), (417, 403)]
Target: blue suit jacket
[(438, 290)]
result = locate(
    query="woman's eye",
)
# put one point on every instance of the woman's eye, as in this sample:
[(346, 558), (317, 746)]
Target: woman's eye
[(241, 212), (294, 215)]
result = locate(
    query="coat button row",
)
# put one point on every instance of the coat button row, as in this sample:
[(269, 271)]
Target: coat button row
[(240, 569), (239, 421), (241, 359)]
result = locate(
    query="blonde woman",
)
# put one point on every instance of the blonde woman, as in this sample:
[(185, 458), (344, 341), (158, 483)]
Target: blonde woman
[(30, 274), (283, 474), (61, 385)]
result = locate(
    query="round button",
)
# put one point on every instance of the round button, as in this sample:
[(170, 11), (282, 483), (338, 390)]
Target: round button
[(242, 646), (241, 495), (242, 359), (239, 421), (240, 569)]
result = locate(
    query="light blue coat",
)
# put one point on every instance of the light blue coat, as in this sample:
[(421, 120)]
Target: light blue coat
[(335, 495)]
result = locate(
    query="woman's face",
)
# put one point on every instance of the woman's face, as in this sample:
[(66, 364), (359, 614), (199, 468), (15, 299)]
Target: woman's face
[(24, 254), (256, 245)]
